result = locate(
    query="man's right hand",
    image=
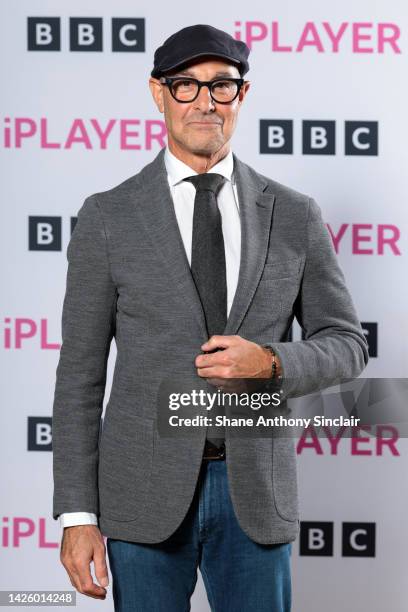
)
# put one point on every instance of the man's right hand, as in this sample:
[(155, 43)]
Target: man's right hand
[(80, 545)]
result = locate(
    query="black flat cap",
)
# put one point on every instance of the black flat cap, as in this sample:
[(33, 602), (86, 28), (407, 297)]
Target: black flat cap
[(196, 41)]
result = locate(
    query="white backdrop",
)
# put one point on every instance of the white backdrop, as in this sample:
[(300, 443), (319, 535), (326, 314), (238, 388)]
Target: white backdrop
[(52, 103)]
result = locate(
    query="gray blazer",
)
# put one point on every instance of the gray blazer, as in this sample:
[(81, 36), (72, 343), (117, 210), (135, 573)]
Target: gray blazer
[(129, 278)]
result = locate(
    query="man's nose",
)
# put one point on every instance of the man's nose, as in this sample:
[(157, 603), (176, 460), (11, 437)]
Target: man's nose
[(204, 102)]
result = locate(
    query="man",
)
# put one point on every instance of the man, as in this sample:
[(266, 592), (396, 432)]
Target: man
[(197, 266)]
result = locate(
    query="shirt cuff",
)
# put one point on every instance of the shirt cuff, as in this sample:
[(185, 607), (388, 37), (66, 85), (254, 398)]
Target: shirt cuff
[(70, 519)]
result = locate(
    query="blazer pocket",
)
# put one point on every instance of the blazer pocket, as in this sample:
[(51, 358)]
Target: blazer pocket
[(125, 465), (282, 269)]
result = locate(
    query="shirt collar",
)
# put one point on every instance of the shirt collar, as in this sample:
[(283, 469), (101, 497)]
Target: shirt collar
[(178, 170)]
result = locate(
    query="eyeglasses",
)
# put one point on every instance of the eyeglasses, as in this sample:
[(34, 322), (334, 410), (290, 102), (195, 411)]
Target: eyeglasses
[(222, 91)]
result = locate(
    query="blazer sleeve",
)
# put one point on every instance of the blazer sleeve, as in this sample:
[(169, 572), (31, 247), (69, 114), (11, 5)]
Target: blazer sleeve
[(335, 347), (87, 325)]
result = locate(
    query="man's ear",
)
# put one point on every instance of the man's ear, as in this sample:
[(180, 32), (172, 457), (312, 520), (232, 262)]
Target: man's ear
[(243, 92), (157, 93)]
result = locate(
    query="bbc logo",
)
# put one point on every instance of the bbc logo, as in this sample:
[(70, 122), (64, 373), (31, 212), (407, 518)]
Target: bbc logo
[(86, 34), (318, 137), (316, 539)]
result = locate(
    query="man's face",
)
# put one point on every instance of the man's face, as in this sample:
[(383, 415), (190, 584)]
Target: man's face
[(203, 126)]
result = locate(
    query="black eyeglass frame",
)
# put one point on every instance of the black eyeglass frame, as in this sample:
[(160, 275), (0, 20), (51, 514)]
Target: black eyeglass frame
[(170, 80)]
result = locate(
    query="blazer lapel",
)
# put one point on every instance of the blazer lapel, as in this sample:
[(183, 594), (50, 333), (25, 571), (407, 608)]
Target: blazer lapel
[(161, 226), (160, 221), (256, 208)]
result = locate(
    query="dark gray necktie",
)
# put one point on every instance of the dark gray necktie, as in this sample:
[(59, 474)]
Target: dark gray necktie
[(208, 259)]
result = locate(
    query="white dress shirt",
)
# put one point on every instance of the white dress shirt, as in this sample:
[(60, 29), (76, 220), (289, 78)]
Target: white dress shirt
[(183, 194)]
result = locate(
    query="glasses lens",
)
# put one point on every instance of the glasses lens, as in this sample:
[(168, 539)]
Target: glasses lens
[(184, 90), (224, 90)]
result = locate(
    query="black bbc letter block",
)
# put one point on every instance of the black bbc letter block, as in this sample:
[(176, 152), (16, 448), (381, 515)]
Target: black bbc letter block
[(44, 233), (319, 137), (276, 136), (371, 333), (43, 34), (358, 540), (39, 434), (85, 33), (361, 138), (316, 539), (128, 35)]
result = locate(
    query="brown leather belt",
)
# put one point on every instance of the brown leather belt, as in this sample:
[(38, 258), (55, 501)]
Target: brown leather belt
[(213, 452)]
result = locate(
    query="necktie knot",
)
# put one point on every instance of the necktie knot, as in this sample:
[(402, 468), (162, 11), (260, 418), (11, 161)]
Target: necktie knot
[(208, 181)]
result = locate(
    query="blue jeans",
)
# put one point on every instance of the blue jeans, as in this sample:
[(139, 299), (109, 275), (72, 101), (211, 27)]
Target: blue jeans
[(239, 574)]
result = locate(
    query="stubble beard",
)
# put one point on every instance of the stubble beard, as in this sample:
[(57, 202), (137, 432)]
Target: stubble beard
[(205, 145)]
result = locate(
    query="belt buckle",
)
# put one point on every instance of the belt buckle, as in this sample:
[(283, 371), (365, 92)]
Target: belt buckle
[(214, 453)]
